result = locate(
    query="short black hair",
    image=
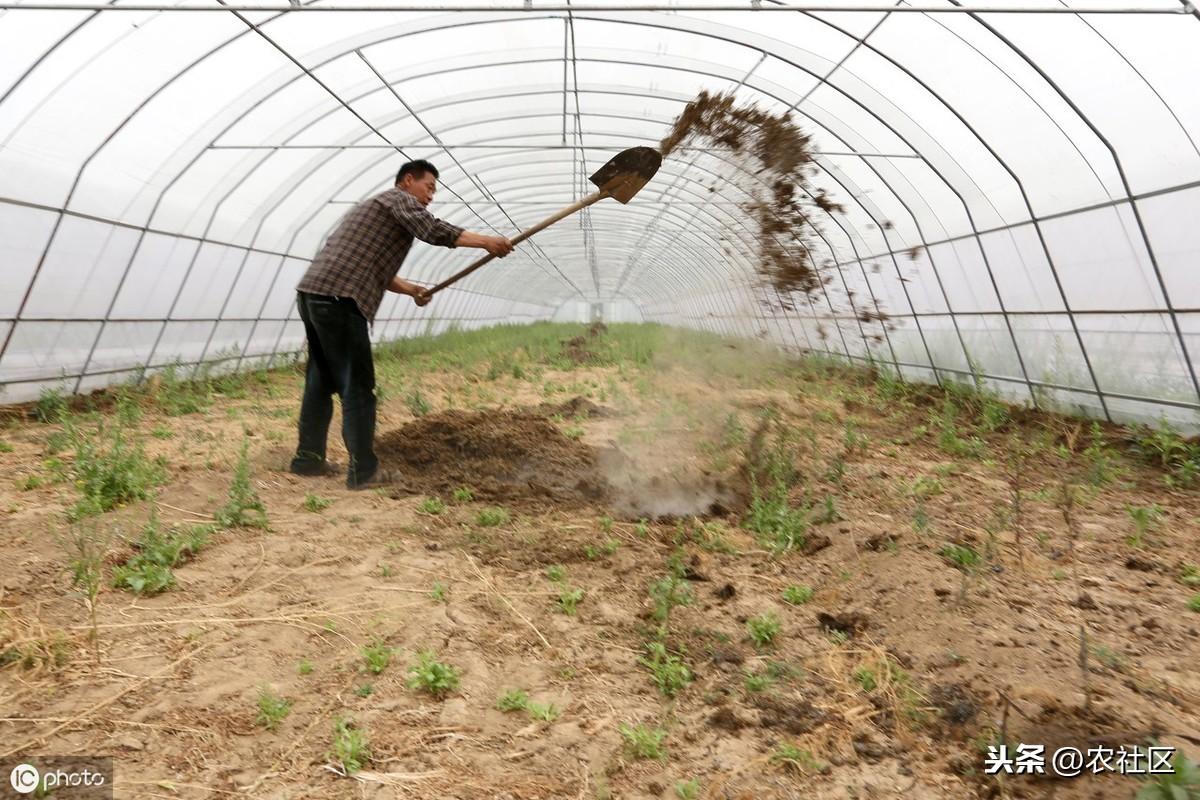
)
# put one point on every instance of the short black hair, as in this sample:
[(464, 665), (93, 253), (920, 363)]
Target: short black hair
[(416, 169)]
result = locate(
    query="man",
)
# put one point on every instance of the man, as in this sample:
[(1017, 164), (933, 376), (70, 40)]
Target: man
[(339, 295)]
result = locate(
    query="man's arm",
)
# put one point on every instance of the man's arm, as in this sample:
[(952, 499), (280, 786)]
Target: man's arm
[(428, 228), (401, 286), (497, 246)]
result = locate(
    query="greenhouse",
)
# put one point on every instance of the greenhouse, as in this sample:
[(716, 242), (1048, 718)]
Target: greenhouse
[(825, 433)]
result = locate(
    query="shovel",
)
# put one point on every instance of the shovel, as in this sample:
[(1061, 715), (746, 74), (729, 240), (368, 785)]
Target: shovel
[(621, 179)]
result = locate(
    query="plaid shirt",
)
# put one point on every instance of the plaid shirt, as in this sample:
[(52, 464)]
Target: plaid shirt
[(366, 250)]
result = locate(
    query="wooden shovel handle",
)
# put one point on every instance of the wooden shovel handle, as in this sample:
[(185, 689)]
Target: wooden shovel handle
[(522, 236)]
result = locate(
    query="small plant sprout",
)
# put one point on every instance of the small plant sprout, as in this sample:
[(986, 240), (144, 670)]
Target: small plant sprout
[(763, 629), (1145, 519), (305, 667), (556, 573), (271, 708), (376, 656), (432, 676), (492, 517), (439, 592), (350, 748), (643, 742), (244, 508), (668, 671), (569, 599), (791, 757), (797, 595), (513, 700), (1194, 603), (463, 494), (86, 546), (687, 790), (432, 505), (315, 503)]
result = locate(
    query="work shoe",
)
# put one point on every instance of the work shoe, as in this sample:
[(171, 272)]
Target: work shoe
[(315, 469), (378, 479)]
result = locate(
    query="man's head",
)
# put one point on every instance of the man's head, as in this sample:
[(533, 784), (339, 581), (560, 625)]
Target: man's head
[(418, 178)]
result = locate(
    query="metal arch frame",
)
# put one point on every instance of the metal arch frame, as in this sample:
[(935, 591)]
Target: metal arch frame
[(867, 283), (840, 181), (76, 5), (1068, 310), (1112, 151), (343, 103)]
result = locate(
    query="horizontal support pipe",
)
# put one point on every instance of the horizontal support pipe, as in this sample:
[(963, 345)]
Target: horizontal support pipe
[(871, 8)]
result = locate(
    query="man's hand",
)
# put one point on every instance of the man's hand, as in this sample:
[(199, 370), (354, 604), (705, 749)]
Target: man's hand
[(421, 298), (497, 246)]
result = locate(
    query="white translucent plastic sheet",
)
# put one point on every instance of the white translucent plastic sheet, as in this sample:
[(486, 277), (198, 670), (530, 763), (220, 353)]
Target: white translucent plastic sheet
[(166, 177)]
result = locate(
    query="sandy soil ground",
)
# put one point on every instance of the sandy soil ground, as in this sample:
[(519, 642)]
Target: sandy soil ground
[(890, 681)]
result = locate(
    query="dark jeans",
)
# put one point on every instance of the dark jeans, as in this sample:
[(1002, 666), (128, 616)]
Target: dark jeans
[(339, 362)]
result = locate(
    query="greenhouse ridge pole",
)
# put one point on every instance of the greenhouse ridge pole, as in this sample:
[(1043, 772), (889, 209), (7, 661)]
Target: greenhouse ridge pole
[(869, 8)]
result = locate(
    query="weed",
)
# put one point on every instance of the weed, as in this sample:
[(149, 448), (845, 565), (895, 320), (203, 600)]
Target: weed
[(86, 547), (5, 447), (963, 557), (110, 469), (385, 570), (569, 599), (417, 403), (1189, 575), (243, 508), (432, 505), (668, 671), (797, 595), (158, 551), (1181, 783), (316, 504), (667, 593), (642, 742), (779, 526), (513, 700), (365, 690), (791, 757), (1101, 463), (828, 513), (51, 406), (763, 629), (376, 656), (1145, 518), (432, 676), (439, 592), (305, 667), (687, 790), (463, 494), (271, 708), (757, 682), (1194, 603), (350, 747), (492, 517), (556, 573), (544, 712)]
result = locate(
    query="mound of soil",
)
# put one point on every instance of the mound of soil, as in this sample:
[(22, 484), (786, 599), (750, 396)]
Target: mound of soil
[(499, 454), (519, 454)]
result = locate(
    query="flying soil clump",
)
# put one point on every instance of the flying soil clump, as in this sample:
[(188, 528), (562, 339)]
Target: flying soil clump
[(773, 149)]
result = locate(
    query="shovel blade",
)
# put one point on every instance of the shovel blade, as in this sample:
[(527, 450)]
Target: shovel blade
[(627, 172)]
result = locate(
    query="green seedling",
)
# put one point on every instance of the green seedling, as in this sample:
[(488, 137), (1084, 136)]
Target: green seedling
[(556, 573), (642, 742), (271, 708), (463, 494), (569, 599), (315, 503), (350, 748), (668, 671), (243, 508), (439, 592), (763, 629), (797, 595), (492, 517), (432, 676), (432, 505), (687, 790), (376, 656)]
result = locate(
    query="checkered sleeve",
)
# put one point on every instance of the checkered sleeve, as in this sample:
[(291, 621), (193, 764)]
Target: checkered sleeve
[(420, 223)]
